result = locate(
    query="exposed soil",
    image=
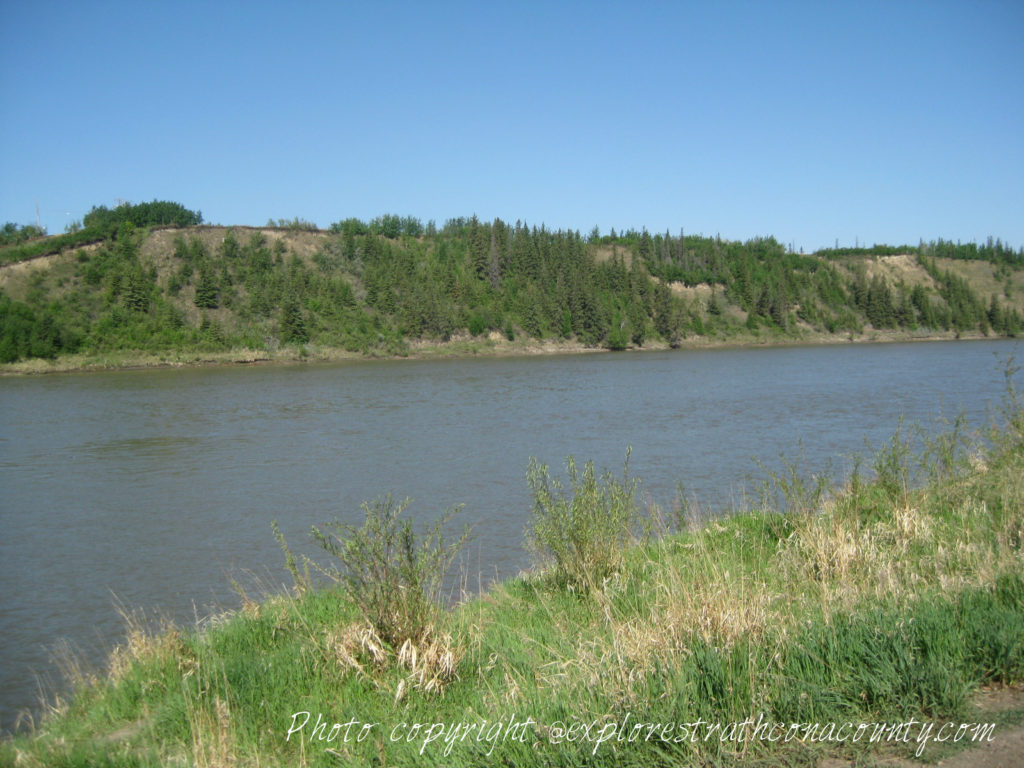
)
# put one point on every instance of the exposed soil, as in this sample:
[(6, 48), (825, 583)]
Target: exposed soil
[(1005, 750), (898, 268)]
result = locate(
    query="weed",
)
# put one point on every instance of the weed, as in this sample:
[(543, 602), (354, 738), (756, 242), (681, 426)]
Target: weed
[(300, 578), (392, 576), (213, 740), (802, 492), (583, 535), (1006, 429), (945, 449), (685, 514), (892, 466), (153, 646)]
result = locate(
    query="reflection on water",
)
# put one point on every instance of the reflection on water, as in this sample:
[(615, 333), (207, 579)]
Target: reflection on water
[(159, 486), (142, 448)]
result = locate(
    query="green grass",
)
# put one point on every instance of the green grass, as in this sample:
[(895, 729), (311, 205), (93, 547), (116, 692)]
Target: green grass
[(878, 602)]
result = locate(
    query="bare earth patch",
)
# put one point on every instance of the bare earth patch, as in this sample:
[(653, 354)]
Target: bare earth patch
[(1006, 750), (900, 267), (700, 291)]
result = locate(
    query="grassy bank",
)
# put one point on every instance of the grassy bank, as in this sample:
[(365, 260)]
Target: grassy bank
[(884, 600)]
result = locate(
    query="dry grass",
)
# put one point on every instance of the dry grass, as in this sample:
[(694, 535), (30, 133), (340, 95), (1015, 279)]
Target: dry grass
[(899, 267), (213, 740), (432, 664), (357, 647), (149, 647), (701, 292), (74, 671), (608, 252), (428, 664), (158, 248), (55, 274), (927, 541), (652, 624)]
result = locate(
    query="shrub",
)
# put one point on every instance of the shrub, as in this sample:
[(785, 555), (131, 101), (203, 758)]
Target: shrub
[(583, 535), (392, 576), (155, 214), (477, 324)]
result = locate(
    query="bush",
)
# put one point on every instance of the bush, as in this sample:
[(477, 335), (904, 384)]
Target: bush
[(583, 536), (12, 233), (158, 213), (392, 576), (477, 324)]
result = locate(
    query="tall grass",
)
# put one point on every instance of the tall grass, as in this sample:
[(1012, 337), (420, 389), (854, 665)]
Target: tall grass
[(582, 531)]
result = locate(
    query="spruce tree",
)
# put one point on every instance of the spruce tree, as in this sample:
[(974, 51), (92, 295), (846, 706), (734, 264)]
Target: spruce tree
[(478, 251), (207, 291), (293, 326), (637, 322), (136, 289), (995, 315)]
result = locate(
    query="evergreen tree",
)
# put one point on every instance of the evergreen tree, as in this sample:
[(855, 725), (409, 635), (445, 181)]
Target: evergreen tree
[(212, 332), (618, 338), (764, 303), (478, 239), (136, 289), (207, 291), (293, 325), (904, 312), (879, 310), (995, 315), (860, 290), (925, 309), (494, 262), (229, 248), (779, 307), (636, 319), (645, 247)]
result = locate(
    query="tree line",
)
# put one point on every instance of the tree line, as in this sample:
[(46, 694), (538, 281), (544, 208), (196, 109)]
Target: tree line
[(101, 223), (373, 286)]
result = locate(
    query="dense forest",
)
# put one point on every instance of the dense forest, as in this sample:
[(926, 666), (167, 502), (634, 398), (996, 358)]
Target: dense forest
[(150, 278)]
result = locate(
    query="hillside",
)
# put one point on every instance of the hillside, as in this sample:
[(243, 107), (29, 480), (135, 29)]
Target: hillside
[(390, 286)]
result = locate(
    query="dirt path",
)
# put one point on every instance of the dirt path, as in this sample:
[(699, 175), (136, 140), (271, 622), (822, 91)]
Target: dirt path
[(1006, 750)]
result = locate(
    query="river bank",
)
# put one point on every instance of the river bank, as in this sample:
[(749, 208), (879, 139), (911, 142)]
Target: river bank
[(460, 346), (867, 603)]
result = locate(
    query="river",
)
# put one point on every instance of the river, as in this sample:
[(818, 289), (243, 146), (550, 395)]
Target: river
[(157, 488)]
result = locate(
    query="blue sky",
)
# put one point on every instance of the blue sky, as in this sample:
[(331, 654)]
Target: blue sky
[(817, 121)]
